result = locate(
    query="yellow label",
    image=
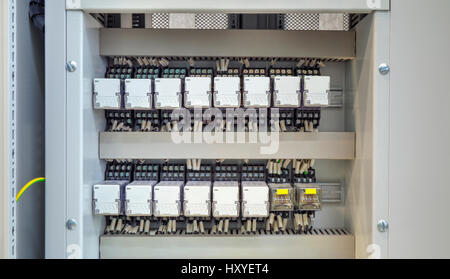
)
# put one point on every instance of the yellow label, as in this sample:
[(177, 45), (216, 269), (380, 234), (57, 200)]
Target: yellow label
[(311, 191), (282, 191)]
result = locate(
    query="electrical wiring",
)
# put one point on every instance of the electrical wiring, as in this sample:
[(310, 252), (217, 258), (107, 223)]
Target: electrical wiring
[(24, 188)]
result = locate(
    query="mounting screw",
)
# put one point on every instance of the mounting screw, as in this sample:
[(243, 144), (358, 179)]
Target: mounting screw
[(71, 66), (384, 69), (382, 226), (71, 224)]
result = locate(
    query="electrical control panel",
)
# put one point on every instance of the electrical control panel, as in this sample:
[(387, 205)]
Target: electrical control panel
[(286, 91), (168, 93), (107, 93), (138, 198), (308, 196), (225, 199), (282, 197), (257, 92), (227, 92), (197, 92), (255, 199), (107, 197), (316, 91), (197, 199), (167, 198), (138, 94)]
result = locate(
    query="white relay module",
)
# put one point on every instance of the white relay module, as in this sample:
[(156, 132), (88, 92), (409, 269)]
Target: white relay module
[(257, 92), (107, 197), (107, 93), (138, 198), (197, 199), (255, 199), (225, 199), (227, 92), (197, 92), (286, 91), (168, 93), (138, 94), (167, 199), (316, 91)]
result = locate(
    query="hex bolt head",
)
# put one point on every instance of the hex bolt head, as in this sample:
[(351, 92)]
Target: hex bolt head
[(382, 226), (384, 69), (71, 224), (71, 66)]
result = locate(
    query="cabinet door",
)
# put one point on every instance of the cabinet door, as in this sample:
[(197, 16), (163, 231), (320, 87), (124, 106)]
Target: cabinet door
[(419, 188)]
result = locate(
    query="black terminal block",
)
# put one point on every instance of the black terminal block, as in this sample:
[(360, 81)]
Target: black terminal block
[(308, 176), (204, 174), (117, 120), (142, 118), (119, 171), (145, 171), (253, 172), (174, 73), (173, 172), (146, 72), (226, 172)]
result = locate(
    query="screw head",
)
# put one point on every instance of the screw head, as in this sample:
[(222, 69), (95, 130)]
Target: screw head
[(382, 226), (384, 69), (71, 224), (71, 66)]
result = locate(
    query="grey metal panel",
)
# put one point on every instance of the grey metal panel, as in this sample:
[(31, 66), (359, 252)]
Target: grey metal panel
[(7, 129), (137, 145), (419, 203), (367, 106), (227, 43), (83, 122), (229, 6), (30, 134), (55, 129), (231, 247)]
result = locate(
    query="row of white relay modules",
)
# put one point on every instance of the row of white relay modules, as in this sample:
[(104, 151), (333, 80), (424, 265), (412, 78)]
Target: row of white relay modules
[(220, 199), (200, 92)]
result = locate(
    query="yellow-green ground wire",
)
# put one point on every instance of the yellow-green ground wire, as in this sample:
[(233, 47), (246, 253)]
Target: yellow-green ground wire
[(24, 188)]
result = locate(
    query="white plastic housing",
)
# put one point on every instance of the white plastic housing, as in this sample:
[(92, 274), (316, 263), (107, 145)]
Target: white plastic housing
[(227, 92), (197, 199), (286, 91), (255, 199), (167, 199), (225, 199), (106, 197), (138, 198), (257, 92), (107, 93), (316, 91), (138, 93), (197, 92), (167, 93)]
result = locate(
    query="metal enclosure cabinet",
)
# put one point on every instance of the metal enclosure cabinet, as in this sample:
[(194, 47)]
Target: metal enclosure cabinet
[(353, 144)]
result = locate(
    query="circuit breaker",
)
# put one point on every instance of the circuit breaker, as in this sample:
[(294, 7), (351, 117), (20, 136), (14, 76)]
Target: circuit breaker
[(255, 199), (227, 92), (197, 92), (167, 198), (257, 92), (168, 93), (197, 199), (107, 93), (138, 94), (107, 197), (225, 199), (138, 198), (316, 91), (286, 91)]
